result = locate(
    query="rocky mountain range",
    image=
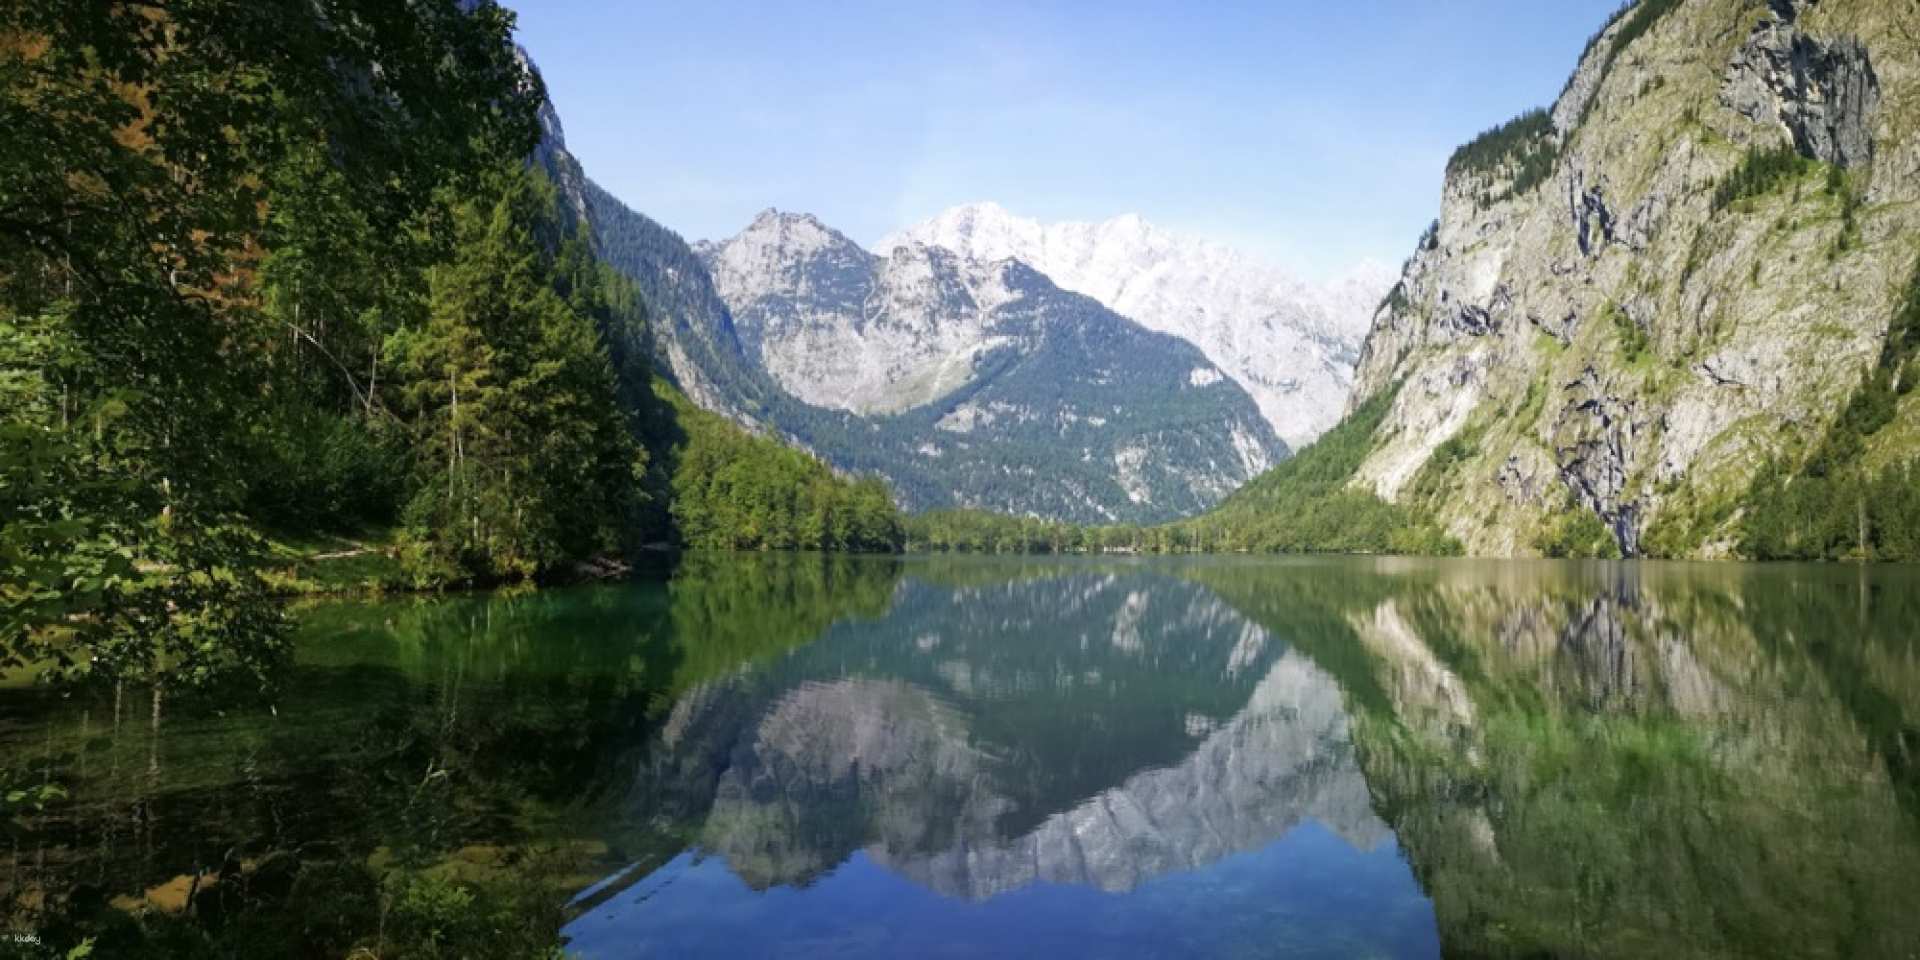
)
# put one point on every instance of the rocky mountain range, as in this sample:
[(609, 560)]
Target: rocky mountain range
[(1686, 277), (963, 382), (964, 375), (1292, 345), (1642, 315)]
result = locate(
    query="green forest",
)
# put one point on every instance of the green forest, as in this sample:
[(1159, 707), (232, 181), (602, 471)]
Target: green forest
[(277, 273)]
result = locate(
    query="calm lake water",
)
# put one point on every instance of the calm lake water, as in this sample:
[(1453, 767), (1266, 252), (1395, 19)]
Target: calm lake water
[(805, 756)]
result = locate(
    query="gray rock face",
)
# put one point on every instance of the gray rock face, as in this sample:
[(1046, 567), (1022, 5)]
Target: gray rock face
[(962, 383), (1617, 340), (1596, 451), (693, 335), (1823, 91), (1584, 84), (552, 156), (841, 328), (1592, 221)]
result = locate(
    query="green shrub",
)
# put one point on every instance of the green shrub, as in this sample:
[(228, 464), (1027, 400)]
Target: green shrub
[(1432, 482), (315, 471), (1632, 339), (1578, 534)]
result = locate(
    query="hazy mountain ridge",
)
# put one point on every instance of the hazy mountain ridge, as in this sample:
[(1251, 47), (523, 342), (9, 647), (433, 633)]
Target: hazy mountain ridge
[(1292, 345)]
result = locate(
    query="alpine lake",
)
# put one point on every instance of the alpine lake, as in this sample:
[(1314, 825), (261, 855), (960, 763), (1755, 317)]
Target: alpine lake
[(799, 756)]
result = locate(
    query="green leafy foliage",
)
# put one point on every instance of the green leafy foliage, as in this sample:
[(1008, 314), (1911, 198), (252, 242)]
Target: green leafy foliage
[(193, 196), (1851, 200), (1432, 483), (1305, 504), (281, 265), (1631, 338), (104, 575), (523, 458), (1577, 533), (982, 531)]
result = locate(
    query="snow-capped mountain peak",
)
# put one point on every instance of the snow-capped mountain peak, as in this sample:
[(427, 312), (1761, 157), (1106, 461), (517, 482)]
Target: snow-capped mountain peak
[(966, 378), (1289, 343)]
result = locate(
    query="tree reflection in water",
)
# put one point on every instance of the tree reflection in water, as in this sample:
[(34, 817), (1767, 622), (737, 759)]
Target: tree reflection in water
[(780, 753)]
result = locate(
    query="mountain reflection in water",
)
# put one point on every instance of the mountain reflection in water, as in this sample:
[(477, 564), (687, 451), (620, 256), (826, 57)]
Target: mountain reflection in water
[(806, 756)]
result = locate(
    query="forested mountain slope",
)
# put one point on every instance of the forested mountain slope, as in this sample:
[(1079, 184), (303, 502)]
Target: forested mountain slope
[(1675, 314)]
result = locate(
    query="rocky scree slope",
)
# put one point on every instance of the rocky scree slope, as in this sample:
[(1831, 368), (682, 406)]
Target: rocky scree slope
[(1670, 285), (963, 383), (1292, 345)]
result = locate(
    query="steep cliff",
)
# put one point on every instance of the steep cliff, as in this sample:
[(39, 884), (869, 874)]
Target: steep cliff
[(1643, 313)]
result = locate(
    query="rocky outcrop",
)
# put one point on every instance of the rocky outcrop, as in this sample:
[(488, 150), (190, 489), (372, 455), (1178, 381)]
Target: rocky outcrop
[(1592, 221), (552, 157), (1596, 445), (1823, 91), (1615, 338), (962, 383), (840, 328)]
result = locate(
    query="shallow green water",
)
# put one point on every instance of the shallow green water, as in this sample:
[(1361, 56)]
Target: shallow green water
[(758, 756)]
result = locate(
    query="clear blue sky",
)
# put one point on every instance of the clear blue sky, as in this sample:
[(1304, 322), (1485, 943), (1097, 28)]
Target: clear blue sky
[(1314, 134)]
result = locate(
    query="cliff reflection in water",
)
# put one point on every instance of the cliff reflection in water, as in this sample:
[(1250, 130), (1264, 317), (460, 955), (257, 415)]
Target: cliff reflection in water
[(1598, 759), (1093, 728)]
